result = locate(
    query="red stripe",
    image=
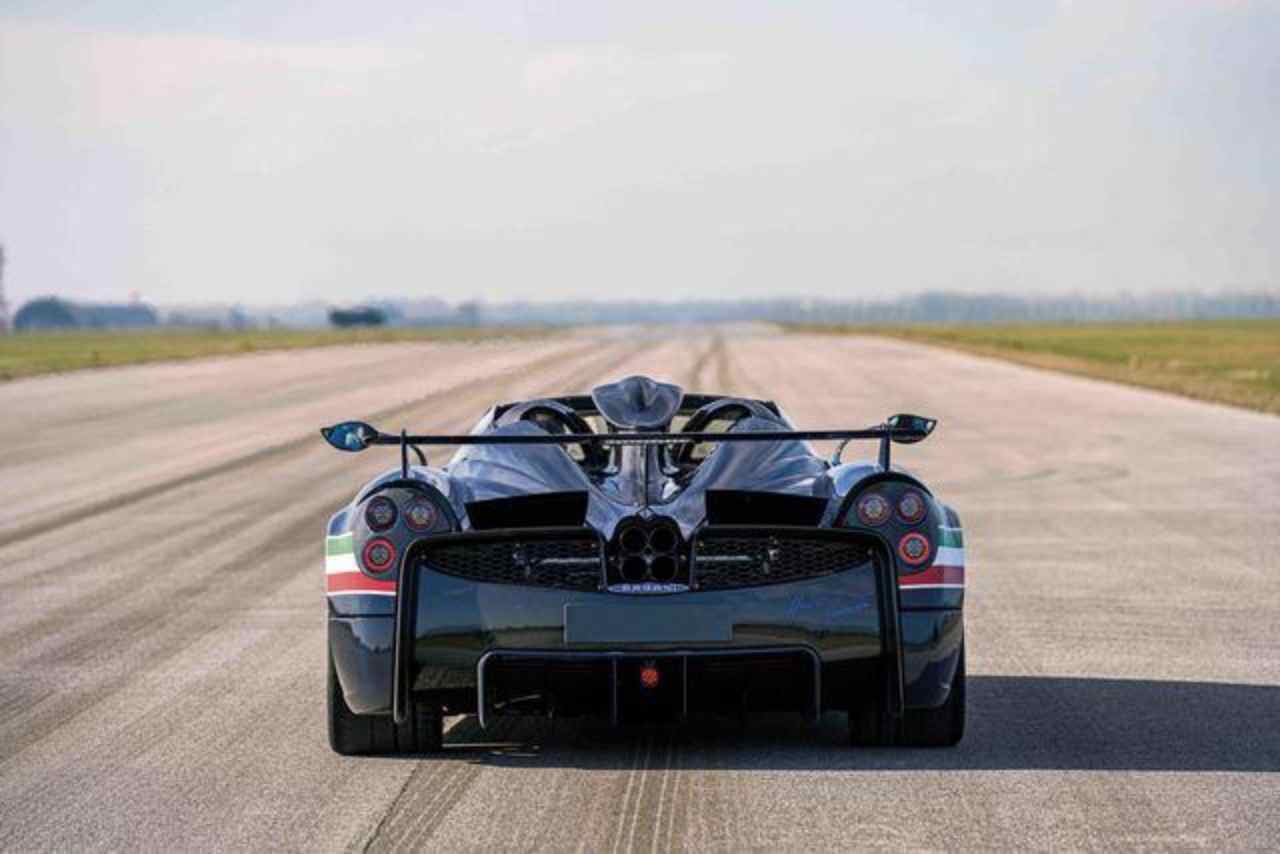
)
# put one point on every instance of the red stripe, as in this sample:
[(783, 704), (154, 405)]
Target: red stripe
[(933, 575), (345, 581)]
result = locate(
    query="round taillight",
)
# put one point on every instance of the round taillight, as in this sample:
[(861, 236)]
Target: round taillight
[(873, 509), (911, 507), (914, 548), (380, 513), (379, 555), (420, 514)]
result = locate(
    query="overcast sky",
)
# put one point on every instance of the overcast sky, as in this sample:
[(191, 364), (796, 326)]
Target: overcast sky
[(319, 149)]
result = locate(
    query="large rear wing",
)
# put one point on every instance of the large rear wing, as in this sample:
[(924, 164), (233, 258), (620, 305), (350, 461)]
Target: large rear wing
[(355, 436)]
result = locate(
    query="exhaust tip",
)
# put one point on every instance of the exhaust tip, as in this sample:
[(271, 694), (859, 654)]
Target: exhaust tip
[(633, 568), (663, 540), (633, 540), (663, 568)]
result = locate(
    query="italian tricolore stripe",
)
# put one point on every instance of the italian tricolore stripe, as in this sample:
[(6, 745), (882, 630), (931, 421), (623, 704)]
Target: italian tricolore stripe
[(343, 576)]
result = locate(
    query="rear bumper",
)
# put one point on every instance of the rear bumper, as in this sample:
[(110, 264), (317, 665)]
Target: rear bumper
[(777, 678), (362, 652), (448, 630)]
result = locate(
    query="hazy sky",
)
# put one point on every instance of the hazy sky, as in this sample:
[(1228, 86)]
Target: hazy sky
[(319, 149)]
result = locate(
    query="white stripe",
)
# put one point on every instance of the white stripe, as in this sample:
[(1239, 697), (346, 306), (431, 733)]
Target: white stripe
[(931, 586), (949, 556), (949, 528), (363, 593), (338, 564)]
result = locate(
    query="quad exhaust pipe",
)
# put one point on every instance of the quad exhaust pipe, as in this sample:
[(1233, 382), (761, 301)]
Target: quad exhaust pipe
[(648, 552)]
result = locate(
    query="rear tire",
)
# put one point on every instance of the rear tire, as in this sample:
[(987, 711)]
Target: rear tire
[(871, 726), (373, 735), (940, 727)]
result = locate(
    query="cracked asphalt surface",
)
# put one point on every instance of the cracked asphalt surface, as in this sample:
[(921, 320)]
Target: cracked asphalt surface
[(162, 617)]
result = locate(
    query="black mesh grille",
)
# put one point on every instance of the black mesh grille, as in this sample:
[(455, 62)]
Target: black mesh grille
[(749, 560), (564, 562)]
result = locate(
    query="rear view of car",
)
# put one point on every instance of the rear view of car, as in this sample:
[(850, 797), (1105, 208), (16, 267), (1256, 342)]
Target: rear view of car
[(639, 554)]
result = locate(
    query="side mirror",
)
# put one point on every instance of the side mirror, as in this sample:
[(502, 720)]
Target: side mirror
[(349, 435), (909, 429)]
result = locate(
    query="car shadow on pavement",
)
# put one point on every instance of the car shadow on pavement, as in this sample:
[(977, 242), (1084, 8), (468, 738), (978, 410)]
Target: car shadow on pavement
[(1015, 722)]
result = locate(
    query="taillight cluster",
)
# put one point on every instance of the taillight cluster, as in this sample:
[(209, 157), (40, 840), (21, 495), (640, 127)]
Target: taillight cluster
[(420, 514), (874, 509), (382, 513)]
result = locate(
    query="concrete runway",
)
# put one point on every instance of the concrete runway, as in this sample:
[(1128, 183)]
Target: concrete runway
[(162, 617)]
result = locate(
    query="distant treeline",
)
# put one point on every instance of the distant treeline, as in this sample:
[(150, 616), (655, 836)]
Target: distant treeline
[(923, 308), (53, 313)]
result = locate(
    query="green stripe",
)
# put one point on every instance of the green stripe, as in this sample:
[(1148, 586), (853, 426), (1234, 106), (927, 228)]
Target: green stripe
[(951, 537), (339, 545)]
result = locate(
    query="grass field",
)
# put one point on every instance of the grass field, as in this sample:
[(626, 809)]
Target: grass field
[(1236, 362), (29, 354)]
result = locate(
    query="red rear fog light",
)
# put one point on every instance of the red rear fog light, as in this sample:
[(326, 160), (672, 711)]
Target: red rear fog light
[(914, 548), (379, 555)]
